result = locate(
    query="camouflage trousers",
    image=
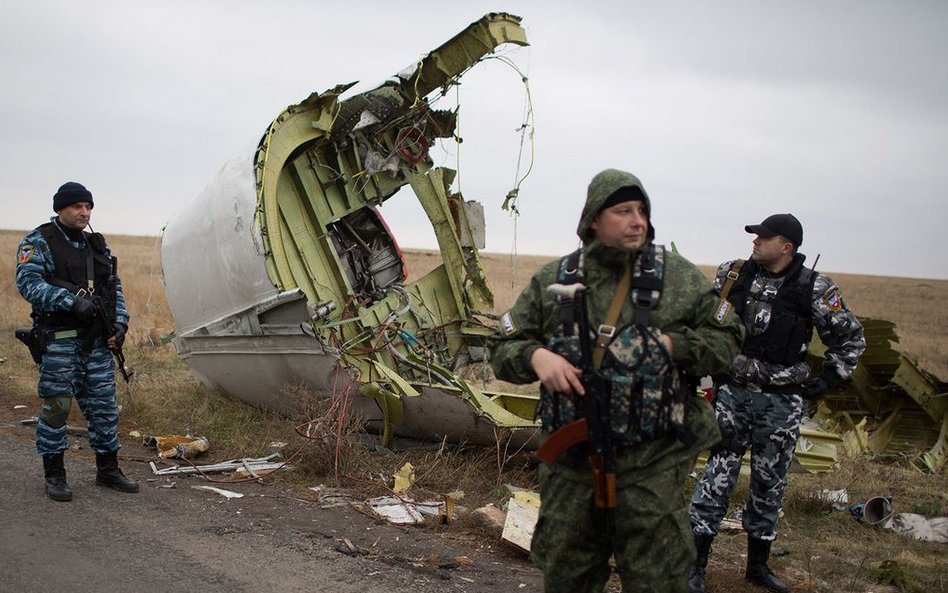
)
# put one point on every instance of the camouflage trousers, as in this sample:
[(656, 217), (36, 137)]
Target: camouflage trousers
[(768, 423), (66, 372), (648, 535)]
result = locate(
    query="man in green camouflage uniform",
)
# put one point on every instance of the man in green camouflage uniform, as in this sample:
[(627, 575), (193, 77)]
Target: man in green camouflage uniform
[(655, 445), (759, 403)]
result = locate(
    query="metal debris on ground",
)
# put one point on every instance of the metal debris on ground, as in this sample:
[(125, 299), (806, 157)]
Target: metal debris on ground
[(874, 511), (891, 408), (256, 464), (396, 510), (221, 491), (405, 511)]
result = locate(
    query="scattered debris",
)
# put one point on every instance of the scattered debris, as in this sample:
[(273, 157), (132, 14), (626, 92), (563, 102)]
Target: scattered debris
[(171, 446), (920, 527), (839, 499), (277, 447), (450, 504), (18, 407), (522, 514), (257, 464), (396, 510), (346, 547), (404, 478), (874, 511), (221, 491), (405, 511)]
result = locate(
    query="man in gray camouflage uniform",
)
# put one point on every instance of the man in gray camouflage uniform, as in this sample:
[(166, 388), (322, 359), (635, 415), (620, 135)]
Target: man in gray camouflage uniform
[(79, 316), (658, 425), (760, 402)]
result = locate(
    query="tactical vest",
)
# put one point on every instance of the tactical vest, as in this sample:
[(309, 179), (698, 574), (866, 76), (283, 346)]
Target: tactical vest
[(791, 317), (73, 268), (646, 392)]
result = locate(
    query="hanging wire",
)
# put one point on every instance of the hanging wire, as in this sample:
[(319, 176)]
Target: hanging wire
[(526, 130)]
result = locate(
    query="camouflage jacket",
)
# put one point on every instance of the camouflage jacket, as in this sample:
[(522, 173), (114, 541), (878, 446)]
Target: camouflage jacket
[(837, 326), (35, 265), (700, 346)]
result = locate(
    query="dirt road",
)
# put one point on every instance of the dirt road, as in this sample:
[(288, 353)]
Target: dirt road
[(178, 538)]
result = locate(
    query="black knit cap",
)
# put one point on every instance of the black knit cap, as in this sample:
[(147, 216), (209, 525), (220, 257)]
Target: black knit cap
[(70, 193), (624, 194), (779, 224)]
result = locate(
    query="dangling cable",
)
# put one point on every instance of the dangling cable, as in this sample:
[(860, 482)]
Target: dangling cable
[(526, 130)]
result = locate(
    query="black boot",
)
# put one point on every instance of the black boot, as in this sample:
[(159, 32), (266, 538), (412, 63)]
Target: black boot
[(110, 475), (696, 574), (758, 552), (55, 471)]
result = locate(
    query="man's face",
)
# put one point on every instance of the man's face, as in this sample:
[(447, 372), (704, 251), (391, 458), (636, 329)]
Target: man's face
[(76, 216), (623, 225), (769, 250)]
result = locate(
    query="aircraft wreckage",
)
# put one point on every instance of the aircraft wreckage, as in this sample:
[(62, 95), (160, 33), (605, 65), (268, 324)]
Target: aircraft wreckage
[(282, 272)]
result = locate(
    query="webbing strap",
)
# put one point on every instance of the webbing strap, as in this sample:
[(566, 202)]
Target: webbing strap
[(724, 305), (732, 276), (570, 272), (90, 269), (608, 329)]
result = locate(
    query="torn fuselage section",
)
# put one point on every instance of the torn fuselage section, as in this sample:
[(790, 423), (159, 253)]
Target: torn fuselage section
[(319, 173)]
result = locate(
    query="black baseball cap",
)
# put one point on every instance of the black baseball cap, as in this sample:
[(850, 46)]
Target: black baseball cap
[(779, 224)]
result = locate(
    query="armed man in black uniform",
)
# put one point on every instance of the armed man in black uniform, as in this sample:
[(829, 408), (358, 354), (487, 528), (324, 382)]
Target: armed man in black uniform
[(760, 402)]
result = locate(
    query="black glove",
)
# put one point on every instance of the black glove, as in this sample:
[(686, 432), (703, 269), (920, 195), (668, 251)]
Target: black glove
[(84, 310), (816, 387), (120, 330)]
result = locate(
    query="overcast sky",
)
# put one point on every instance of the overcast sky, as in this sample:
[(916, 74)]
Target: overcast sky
[(728, 111)]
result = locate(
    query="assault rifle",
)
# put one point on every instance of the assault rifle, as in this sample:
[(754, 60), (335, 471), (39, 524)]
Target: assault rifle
[(126, 372), (595, 427)]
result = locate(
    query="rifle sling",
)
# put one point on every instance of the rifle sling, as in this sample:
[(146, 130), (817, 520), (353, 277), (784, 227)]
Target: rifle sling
[(724, 305), (608, 329)]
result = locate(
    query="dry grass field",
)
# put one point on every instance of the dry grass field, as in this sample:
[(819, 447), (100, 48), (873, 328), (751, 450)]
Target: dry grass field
[(825, 551)]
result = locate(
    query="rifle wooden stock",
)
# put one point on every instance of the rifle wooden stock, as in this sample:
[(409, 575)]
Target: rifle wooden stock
[(572, 434), (604, 483), (563, 438)]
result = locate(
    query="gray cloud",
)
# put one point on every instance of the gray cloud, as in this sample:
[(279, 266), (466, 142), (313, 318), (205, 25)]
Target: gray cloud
[(728, 111)]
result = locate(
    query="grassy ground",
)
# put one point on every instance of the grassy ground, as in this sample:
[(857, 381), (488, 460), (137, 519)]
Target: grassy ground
[(825, 550)]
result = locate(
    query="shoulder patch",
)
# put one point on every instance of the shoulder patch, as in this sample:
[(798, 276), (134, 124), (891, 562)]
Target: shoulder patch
[(722, 310), (833, 300), (507, 326), (25, 253)]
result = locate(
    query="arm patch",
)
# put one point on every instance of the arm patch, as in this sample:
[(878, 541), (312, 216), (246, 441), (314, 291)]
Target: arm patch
[(25, 254), (507, 326), (833, 300)]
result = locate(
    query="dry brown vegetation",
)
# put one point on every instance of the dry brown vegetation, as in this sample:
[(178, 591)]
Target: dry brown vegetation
[(828, 551)]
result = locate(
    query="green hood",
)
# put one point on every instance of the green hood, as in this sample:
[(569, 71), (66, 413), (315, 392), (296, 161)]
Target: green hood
[(603, 185)]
